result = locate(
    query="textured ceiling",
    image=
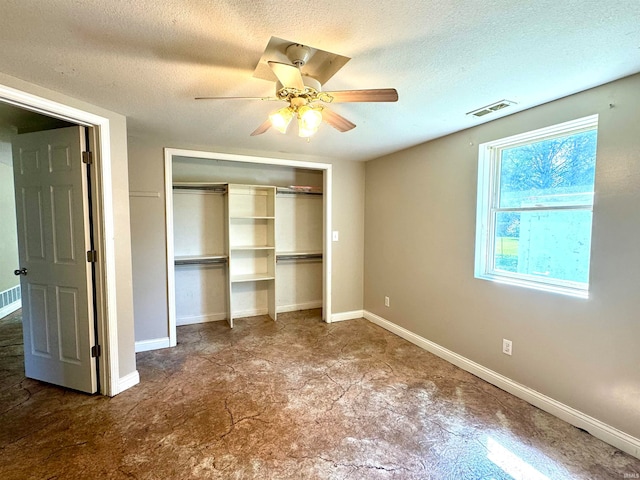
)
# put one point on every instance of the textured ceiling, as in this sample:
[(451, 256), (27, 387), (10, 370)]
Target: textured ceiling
[(148, 59)]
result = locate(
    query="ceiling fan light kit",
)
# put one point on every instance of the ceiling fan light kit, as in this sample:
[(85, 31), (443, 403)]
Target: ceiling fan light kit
[(303, 93), (310, 119), (281, 119)]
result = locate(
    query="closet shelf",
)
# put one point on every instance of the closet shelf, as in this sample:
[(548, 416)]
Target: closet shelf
[(249, 248), (235, 217), (253, 277)]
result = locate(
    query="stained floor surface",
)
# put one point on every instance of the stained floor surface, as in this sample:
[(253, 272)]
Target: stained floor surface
[(293, 399)]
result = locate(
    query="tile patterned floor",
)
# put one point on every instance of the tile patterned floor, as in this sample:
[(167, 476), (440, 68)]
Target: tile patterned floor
[(296, 399)]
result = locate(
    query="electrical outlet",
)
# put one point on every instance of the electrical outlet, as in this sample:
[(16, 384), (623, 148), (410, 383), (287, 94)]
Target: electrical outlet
[(507, 346), (386, 301)]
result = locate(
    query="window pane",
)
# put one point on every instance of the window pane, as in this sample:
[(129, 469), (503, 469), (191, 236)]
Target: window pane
[(557, 171), (547, 244)]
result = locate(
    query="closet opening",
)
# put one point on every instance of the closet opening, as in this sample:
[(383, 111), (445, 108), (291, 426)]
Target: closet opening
[(246, 236)]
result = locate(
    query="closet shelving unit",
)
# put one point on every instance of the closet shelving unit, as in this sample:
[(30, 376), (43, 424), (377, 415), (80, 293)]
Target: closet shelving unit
[(252, 243), (240, 235)]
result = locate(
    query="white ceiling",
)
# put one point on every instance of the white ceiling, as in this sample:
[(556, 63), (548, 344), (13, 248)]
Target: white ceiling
[(148, 59)]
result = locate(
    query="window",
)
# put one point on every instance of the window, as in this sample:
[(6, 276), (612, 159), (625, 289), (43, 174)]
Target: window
[(535, 206)]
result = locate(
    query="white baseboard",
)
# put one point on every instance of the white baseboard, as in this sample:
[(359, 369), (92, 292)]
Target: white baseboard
[(216, 317), (128, 381), (212, 317), (153, 344), (12, 307), (595, 427), (280, 309), (254, 312), (299, 306), (340, 317)]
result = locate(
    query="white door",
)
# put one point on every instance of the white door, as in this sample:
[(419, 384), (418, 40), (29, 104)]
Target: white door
[(53, 240)]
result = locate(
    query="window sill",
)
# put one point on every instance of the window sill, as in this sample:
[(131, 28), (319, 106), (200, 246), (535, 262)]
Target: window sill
[(545, 287)]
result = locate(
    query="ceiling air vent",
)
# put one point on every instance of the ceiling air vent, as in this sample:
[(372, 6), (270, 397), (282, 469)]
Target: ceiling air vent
[(494, 107)]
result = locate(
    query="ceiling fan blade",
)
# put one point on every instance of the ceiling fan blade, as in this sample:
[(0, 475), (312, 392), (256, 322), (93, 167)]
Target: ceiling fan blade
[(237, 98), (337, 121), (289, 75), (373, 95), (262, 128)]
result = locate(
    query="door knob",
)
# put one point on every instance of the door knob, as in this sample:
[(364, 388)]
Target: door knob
[(22, 271)]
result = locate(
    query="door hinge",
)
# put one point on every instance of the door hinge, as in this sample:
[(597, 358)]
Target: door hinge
[(96, 351), (92, 256), (87, 157)]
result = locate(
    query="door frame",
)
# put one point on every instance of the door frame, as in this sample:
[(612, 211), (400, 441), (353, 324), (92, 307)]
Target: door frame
[(169, 153), (103, 225)]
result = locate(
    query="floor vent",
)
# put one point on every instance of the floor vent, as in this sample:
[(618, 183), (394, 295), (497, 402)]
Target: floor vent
[(10, 296), (494, 107), (10, 301)]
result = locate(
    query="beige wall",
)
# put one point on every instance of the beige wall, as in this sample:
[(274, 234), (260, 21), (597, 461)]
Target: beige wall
[(148, 241), (9, 236), (419, 250), (122, 241), (348, 219), (146, 177), (123, 294)]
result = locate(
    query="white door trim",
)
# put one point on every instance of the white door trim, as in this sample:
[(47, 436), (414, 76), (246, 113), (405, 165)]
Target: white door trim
[(105, 298), (169, 153)]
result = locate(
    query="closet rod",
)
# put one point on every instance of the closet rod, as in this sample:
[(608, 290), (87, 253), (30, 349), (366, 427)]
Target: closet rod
[(200, 261), (299, 256), (201, 186), (292, 191)]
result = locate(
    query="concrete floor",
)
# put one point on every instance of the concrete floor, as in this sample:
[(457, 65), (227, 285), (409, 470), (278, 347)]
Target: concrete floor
[(296, 399)]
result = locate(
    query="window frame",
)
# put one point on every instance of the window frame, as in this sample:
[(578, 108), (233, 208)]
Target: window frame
[(487, 207)]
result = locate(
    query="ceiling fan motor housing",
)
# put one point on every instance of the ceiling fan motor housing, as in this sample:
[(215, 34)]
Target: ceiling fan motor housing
[(298, 54), (311, 82)]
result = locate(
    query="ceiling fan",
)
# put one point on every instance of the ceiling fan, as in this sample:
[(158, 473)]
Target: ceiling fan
[(305, 98)]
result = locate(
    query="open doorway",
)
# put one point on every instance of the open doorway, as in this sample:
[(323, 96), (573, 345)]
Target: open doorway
[(99, 127), (52, 183)]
